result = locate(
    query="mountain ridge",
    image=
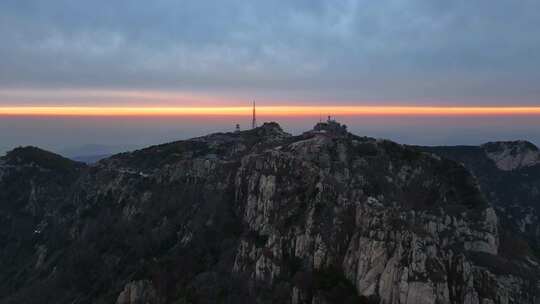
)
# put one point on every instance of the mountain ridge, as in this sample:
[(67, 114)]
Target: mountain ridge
[(259, 216)]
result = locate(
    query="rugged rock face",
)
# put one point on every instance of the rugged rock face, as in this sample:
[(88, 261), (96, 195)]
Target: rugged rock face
[(138, 292), (509, 176), (514, 155), (257, 216)]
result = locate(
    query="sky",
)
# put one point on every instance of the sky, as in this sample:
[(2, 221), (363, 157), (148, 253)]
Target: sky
[(320, 56)]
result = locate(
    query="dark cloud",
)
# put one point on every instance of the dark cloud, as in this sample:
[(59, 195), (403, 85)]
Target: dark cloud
[(484, 51)]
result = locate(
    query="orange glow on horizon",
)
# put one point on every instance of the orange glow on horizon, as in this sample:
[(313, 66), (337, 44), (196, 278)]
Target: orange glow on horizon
[(268, 111)]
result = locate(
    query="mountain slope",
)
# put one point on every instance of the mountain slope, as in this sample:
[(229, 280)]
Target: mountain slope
[(509, 175), (261, 216)]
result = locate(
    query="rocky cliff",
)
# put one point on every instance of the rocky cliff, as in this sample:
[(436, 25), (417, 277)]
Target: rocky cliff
[(509, 176), (256, 216)]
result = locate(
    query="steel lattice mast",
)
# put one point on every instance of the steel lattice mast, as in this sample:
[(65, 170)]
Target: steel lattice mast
[(254, 120)]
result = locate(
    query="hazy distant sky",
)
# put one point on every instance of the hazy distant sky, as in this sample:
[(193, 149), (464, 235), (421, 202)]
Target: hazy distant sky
[(423, 51), (299, 52)]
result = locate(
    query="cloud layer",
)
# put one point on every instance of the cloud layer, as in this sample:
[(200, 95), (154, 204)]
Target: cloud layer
[(484, 52)]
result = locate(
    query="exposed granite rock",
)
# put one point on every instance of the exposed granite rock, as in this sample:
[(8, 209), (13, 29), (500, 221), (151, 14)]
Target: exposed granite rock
[(138, 292), (512, 155), (258, 216), (509, 176)]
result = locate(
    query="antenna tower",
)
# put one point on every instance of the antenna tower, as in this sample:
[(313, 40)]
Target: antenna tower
[(254, 119)]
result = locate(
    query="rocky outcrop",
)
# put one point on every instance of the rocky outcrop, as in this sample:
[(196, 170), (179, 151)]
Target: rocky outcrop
[(138, 292), (261, 216), (514, 155), (509, 177), (406, 247)]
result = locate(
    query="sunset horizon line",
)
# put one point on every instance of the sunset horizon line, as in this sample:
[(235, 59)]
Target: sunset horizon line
[(268, 110)]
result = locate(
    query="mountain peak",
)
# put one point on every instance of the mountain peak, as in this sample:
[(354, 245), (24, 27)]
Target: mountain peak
[(270, 129), (512, 155), (30, 155), (255, 206), (331, 127)]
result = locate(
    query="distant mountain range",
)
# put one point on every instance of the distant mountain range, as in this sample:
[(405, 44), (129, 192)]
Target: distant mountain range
[(261, 216), (90, 159), (92, 153)]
